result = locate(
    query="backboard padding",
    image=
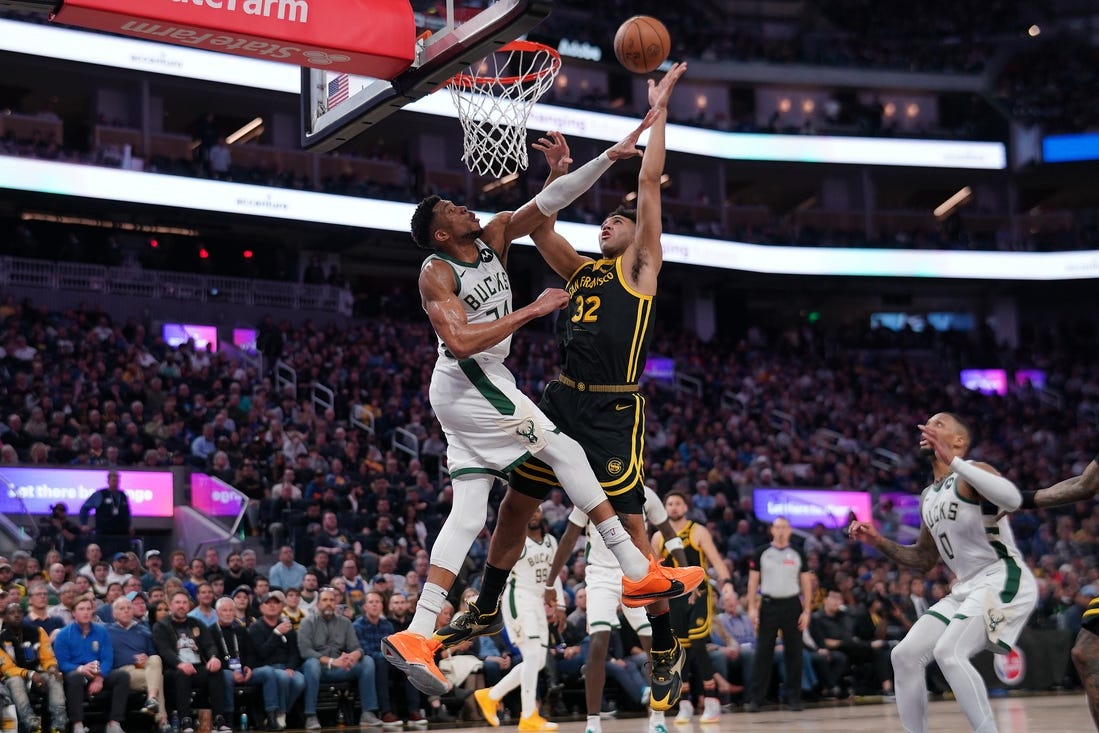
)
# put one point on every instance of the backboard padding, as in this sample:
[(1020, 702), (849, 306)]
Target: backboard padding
[(444, 54)]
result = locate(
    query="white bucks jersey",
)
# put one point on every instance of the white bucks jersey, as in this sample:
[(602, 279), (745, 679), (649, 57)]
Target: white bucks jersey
[(969, 536), (485, 291), (599, 555), (532, 573)]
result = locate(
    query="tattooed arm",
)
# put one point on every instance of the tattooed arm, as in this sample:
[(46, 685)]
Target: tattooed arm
[(1078, 488), (923, 555)]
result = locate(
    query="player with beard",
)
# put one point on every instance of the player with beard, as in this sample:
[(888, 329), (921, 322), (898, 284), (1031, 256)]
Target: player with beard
[(692, 615), (603, 584), (492, 427), (964, 522)]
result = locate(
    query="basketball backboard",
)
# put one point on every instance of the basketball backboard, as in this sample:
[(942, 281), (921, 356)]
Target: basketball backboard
[(336, 107)]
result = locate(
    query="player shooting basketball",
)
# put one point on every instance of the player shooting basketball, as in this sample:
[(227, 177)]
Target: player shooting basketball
[(491, 426), (604, 342)]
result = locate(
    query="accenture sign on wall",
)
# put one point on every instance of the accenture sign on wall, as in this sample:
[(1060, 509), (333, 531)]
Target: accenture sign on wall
[(364, 37)]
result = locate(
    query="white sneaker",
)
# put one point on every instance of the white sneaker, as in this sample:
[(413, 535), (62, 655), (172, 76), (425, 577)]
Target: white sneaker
[(686, 712), (656, 725), (711, 710)]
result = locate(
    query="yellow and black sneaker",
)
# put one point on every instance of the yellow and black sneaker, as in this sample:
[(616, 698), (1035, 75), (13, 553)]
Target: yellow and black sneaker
[(667, 681), (470, 624)]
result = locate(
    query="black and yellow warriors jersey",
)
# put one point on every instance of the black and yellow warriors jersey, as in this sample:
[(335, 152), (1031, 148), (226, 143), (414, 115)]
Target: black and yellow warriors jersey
[(691, 549), (605, 337), (1091, 616), (692, 621)]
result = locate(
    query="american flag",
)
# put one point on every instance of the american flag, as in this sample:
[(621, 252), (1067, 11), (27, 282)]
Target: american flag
[(338, 90)]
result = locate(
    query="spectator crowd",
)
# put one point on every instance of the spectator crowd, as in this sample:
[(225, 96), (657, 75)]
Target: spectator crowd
[(341, 523)]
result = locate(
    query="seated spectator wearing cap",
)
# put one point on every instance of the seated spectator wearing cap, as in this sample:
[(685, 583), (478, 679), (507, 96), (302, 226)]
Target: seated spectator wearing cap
[(135, 654), (154, 570), (332, 653), (7, 579), (276, 645), (191, 661), (27, 659), (85, 656), (242, 603), (139, 603)]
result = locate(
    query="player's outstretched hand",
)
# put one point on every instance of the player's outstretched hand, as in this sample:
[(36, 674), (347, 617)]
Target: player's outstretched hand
[(659, 93), (937, 444), (864, 532), (556, 150), (627, 147), (551, 299)]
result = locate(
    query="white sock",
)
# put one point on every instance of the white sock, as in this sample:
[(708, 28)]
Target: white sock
[(593, 725), (428, 607), (656, 717), (635, 566)]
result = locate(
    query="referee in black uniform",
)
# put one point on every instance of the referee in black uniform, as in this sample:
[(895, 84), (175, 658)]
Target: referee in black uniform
[(779, 596)]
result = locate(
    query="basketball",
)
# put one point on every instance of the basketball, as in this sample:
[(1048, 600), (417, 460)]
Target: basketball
[(642, 43)]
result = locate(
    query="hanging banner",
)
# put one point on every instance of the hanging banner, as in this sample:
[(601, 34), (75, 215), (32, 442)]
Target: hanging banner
[(367, 37)]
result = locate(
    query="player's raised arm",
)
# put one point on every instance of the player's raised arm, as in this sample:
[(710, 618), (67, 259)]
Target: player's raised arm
[(554, 248), (448, 318), (571, 186), (1078, 488), (977, 478), (649, 254)]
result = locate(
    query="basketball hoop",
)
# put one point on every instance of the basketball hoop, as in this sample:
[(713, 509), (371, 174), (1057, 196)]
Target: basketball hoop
[(494, 108)]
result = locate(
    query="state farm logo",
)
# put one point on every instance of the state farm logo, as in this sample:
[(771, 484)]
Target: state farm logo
[(294, 11), (233, 44), (1010, 668), (323, 58)]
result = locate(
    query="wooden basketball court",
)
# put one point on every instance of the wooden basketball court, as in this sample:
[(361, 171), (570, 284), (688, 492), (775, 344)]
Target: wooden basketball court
[(1045, 714)]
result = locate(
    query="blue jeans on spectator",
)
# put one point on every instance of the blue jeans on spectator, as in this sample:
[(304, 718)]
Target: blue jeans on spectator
[(289, 684), (628, 677), (362, 672), (382, 670)]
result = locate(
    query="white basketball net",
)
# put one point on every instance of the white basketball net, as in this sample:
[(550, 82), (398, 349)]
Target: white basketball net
[(494, 105)]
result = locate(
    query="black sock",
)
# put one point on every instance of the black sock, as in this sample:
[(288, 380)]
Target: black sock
[(662, 631), (492, 586)]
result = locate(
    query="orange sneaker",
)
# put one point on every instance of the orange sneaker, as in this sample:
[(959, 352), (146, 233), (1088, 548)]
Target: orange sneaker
[(661, 582), (415, 656)]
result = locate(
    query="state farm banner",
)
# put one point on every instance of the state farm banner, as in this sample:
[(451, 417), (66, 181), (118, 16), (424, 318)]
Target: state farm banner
[(365, 37)]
